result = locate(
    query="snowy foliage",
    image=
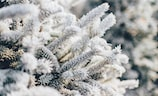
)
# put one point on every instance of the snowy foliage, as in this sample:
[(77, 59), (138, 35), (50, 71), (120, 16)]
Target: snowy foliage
[(73, 61)]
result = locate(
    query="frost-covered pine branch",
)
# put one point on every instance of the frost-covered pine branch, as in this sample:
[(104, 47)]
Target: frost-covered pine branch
[(73, 61), (93, 15)]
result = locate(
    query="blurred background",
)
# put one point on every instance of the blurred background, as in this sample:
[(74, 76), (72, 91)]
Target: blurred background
[(137, 32)]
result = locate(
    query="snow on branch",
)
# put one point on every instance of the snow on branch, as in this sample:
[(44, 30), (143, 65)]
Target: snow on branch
[(44, 47)]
